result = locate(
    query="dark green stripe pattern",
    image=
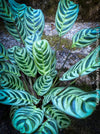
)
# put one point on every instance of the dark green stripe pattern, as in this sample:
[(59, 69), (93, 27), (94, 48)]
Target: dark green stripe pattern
[(61, 118), (25, 62), (32, 19), (85, 37), (29, 43), (11, 54), (75, 102), (66, 16), (53, 92), (48, 127), (42, 56), (42, 85), (9, 68), (3, 53), (53, 71), (10, 81), (5, 12), (15, 97), (16, 29), (27, 119), (16, 7), (85, 66)]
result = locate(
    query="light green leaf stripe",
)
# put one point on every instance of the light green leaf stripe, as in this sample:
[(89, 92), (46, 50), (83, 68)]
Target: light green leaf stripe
[(53, 92), (53, 71), (9, 68), (11, 81), (43, 85), (85, 66), (32, 19), (15, 97), (66, 15), (61, 118), (42, 56), (85, 37), (5, 12), (29, 43), (16, 29), (11, 54), (76, 102), (49, 126), (3, 53), (27, 119), (25, 62), (16, 7)]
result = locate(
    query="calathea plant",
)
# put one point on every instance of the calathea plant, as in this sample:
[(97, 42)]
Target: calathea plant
[(28, 75)]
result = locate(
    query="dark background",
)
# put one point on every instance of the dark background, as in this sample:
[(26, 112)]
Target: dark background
[(89, 9)]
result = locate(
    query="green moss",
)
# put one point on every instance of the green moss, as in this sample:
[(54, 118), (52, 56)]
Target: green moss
[(54, 41)]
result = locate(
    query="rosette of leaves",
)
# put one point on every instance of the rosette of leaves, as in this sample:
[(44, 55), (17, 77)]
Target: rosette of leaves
[(28, 75)]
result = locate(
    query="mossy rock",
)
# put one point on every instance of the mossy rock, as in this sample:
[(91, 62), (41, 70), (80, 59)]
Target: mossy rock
[(59, 44)]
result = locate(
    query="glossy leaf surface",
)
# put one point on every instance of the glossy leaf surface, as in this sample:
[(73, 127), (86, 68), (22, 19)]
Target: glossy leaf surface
[(42, 56), (61, 118), (3, 53), (25, 62), (32, 19), (42, 85), (9, 68), (15, 97), (75, 102), (29, 43), (49, 126), (85, 37), (11, 81), (27, 119), (66, 16), (85, 66)]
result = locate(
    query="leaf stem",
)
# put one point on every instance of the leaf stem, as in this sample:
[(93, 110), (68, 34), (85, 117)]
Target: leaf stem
[(31, 87), (24, 82), (19, 34)]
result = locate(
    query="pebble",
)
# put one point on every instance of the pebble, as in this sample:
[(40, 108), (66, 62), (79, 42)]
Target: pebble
[(50, 28)]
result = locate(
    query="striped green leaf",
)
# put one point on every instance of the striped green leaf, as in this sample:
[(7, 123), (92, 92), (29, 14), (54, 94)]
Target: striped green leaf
[(46, 99), (9, 68), (11, 81), (42, 56), (16, 7), (61, 118), (48, 127), (43, 85), (53, 71), (53, 92), (75, 102), (66, 15), (85, 66), (3, 53), (85, 37), (5, 11), (27, 119), (16, 29), (25, 62), (12, 22), (11, 54), (32, 19), (15, 97), (29, 43)]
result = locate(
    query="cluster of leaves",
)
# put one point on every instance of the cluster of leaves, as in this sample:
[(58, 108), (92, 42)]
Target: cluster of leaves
[(28, 73)]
